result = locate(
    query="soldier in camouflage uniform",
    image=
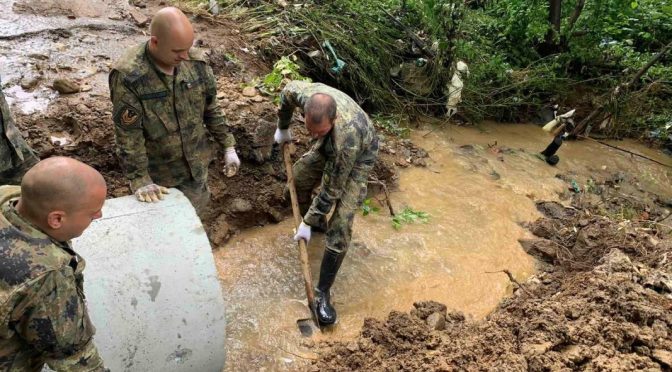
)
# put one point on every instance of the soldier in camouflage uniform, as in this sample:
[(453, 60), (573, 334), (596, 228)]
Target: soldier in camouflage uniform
[(164, 98), (342, 158), (16, 157), (43, 314)]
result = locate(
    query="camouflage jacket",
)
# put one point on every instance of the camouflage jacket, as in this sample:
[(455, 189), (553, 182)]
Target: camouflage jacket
[(43, 316), (14, 151), (350, 148), (161, 121)]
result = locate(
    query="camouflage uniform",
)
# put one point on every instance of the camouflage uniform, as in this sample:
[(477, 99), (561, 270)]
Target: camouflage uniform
[(342, 160), (43, 316), (161, 121), (16, 157)]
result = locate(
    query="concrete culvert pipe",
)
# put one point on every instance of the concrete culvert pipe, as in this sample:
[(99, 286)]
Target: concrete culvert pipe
[(152, 287)]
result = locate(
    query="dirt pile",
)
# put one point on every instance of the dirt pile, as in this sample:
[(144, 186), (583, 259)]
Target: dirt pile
[(602, 301)]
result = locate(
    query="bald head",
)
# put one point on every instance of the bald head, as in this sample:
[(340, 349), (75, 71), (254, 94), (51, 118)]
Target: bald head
[(58, 183), (169, 22), (172, 35), (320, 113)]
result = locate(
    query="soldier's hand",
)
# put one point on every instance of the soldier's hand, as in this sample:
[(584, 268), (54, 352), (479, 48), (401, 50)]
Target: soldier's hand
[(232, 162), (303, 232), (151, 193), (282, 135)]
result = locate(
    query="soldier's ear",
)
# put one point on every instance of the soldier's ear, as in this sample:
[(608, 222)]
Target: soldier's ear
[(55, 219)]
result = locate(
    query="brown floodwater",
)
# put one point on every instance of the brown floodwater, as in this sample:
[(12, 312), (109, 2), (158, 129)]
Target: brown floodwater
[(476, 194)]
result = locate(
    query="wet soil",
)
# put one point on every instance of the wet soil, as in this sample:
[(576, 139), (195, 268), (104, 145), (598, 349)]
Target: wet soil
[(77, 41), (601, 301)]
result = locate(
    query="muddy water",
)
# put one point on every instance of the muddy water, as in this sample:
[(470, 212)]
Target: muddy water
[(476, 193)]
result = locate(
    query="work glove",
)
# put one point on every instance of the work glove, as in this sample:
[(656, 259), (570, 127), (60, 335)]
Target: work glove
[(151, 193), (303, 232), (282, 135), (232, 162)]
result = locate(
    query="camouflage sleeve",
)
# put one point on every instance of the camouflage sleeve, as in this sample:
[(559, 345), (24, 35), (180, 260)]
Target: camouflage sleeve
[(57, 323), (334, 179), (213, 117), (128, 132), (291, 97)]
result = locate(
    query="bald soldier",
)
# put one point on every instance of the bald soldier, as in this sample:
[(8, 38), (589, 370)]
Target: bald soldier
[(164, 98), (16, 157), (340, 161), (43, 314)]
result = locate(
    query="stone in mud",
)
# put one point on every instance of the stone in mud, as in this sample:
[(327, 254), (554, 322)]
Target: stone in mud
[(30, 81), (240, 205), (249, 91), (257, 98), (663, 357), (65, 86), (424, 309), (436, 321), (139, 18)]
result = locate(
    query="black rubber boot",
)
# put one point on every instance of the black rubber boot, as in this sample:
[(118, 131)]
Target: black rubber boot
[(331, 262)]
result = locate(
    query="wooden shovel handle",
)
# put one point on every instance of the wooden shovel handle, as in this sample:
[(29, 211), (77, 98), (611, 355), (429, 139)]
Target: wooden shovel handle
[(303, 252)]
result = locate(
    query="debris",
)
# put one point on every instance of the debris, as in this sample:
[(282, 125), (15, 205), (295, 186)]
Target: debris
[(436, 321), (240, 205), (59, 141), (140, 19), (65, 86), (249, 91)]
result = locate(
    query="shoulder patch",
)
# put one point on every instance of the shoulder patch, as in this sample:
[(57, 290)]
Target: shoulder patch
[(127, 116)]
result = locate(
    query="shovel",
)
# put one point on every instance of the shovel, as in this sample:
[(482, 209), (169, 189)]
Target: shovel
[(304, 324)]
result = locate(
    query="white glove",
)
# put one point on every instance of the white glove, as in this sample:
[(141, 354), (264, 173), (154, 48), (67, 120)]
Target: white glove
[(282, 135), (303, 233), (232, 162), (151, 193)]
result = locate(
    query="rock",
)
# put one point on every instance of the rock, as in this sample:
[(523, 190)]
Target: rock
[(250, 91), (663, 357), (139, 18), (436, 321), (65, 86), (40, 56), (257, 98), (240, 205), (30, 81), (352, 347), (530, 350), (659, 328)]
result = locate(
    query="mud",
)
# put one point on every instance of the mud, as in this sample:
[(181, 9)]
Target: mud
[(602, 301), (46, 41)]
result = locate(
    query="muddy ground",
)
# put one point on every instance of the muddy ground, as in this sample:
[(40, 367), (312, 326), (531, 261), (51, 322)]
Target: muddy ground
[(81, 50), (601, 301)]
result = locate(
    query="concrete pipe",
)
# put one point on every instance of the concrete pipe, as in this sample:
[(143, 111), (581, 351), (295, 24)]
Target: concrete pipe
[(152, 287)]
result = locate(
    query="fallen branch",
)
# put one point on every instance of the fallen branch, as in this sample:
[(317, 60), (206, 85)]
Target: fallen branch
[(621, 88), (624, 150), (388, 201), (511, 278)]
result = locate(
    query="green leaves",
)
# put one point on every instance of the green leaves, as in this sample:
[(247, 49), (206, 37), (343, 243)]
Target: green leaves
[(283, 69), (408, 216), (368, 208)]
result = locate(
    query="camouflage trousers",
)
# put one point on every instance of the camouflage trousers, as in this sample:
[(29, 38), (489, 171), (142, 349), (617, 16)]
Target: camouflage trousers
[(309, 171), (198, 193), (14, 175)]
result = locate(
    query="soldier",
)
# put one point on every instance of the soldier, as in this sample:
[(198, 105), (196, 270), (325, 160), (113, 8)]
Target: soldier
[(16, 157), (43, 316), (342, 158), (164, 98)]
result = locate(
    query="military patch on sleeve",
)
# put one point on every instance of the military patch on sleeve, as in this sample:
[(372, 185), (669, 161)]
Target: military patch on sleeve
[(129, 116)]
